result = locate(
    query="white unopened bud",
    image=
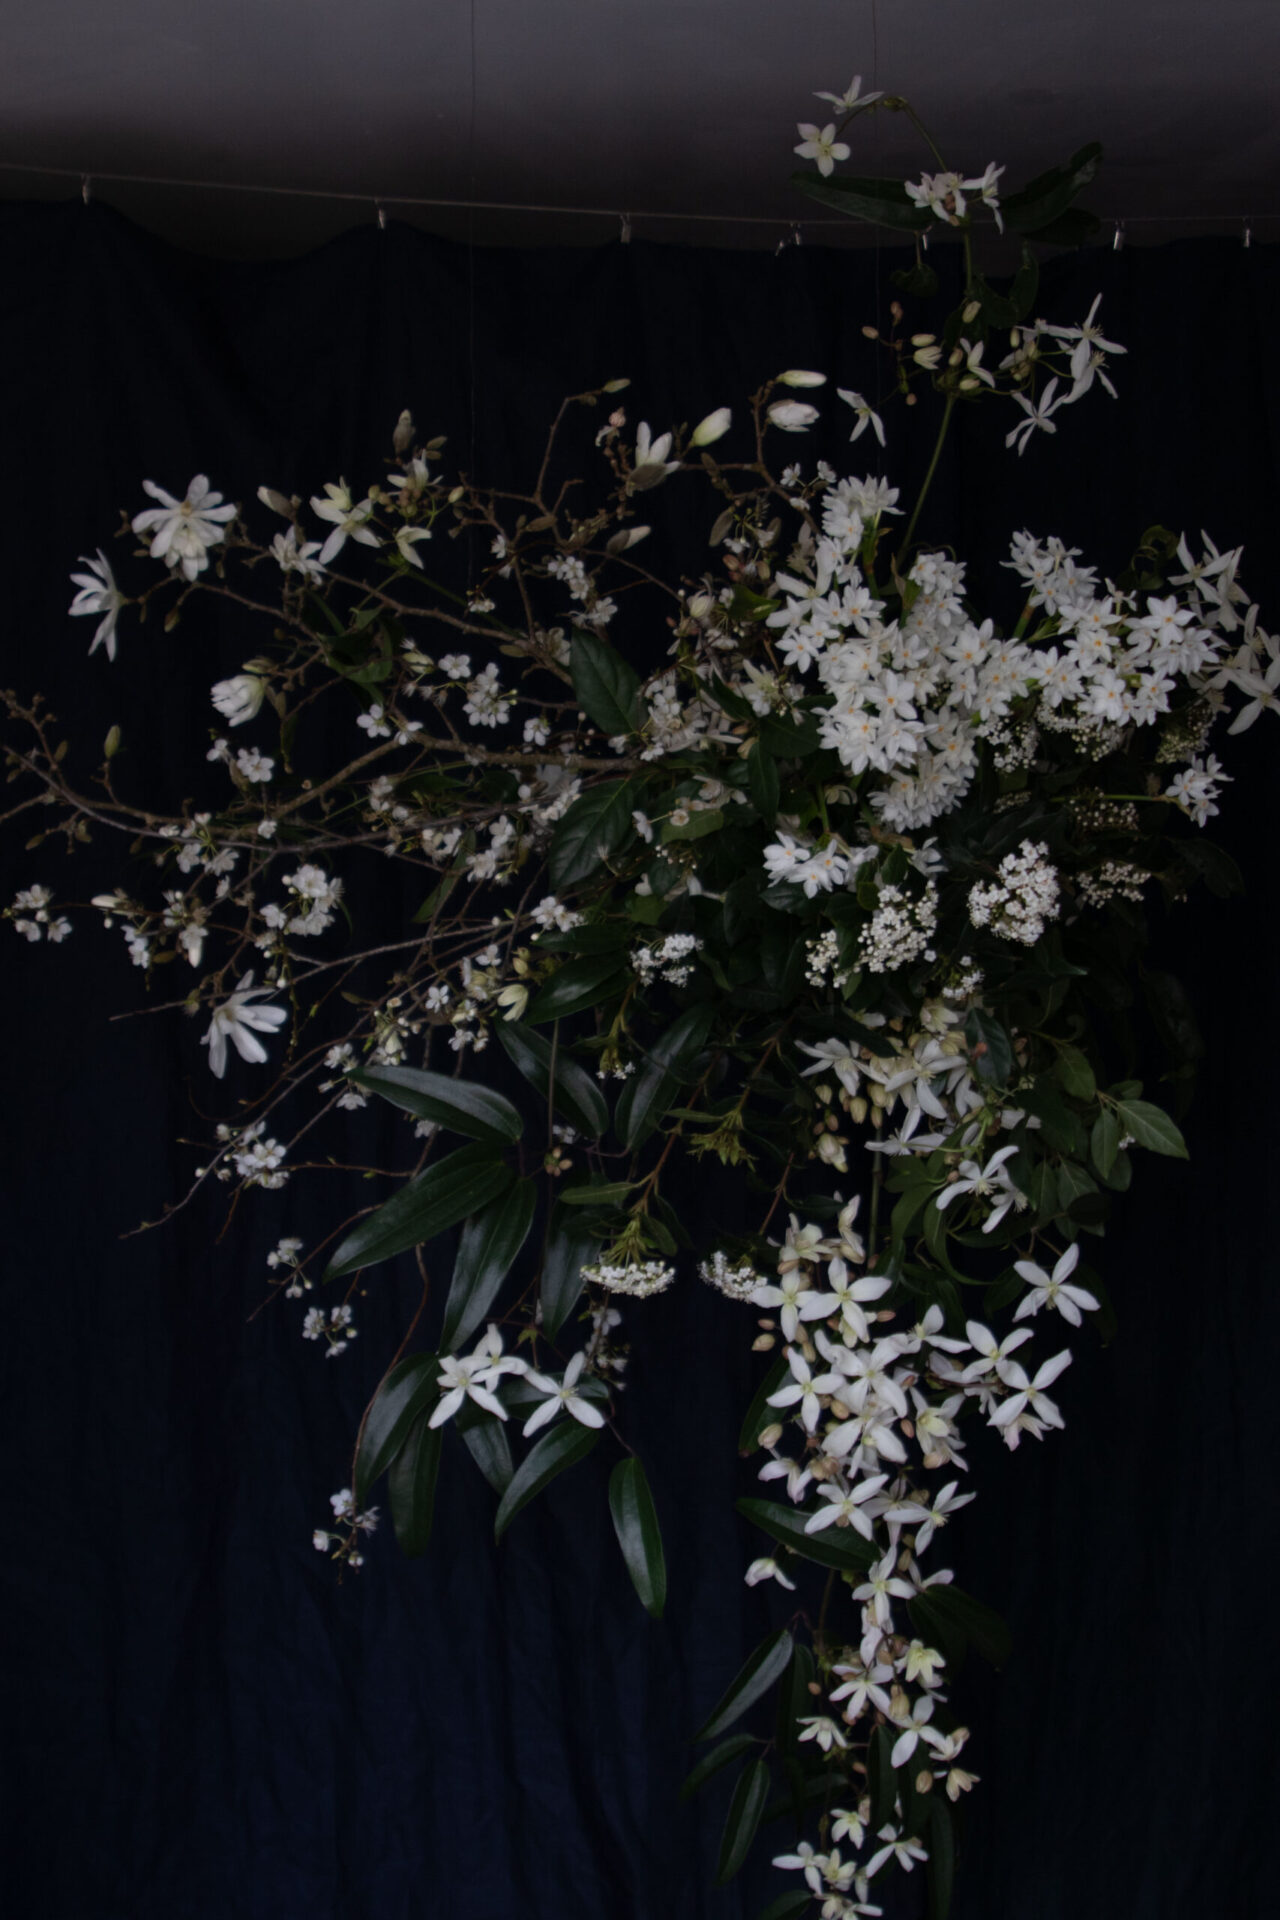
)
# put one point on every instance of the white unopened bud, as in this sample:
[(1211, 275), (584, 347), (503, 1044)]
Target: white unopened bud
[(713, 428), (799, 377), (793, 416)]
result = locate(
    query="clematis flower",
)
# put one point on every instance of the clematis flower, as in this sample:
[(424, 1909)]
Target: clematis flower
[(1052, 1289), (563, 1396), (820, 144), (99, 594)]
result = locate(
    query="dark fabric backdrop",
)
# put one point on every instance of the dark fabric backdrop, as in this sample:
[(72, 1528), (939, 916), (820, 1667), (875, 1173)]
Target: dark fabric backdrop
[(203, 1724)]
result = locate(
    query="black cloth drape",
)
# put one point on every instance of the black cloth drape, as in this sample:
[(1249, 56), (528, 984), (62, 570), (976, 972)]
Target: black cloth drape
[(203, 1723)]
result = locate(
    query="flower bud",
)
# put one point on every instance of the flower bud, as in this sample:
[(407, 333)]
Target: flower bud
[(712, 428), (770, 1435), (793, 416), (799, 377), (615, 386), (239, 698), (276, 501), (111, 745)]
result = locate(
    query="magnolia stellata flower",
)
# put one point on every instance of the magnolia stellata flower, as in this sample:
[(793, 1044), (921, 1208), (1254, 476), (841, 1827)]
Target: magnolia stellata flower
[(239, 1020)]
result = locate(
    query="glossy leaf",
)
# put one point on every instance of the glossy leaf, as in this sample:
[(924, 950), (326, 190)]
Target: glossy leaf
[(635, 1521), (954, 1614), (607, 689), (575, 1096), (1104, 1141), (760, 1414), (560, 1446), (1044, 199), (881, 1777), (742, 1819), (711, 1763), (593, 829), (762, 782), (788, 1906), (829, 1547), (884, 203), (457, 1105), (570, 1248), (576, 986), (656, 1083), (407, 1391), (794, 1699), (1151, 1127), (941, 1870), (411, 1487), (487, 1250), (991, 1045), (596, 1193), (432, 1202), (1073, 1070), (755, 1677), (485, 1438)]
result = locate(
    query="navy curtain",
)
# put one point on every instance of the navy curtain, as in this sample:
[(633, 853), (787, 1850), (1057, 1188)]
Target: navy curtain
[(204, 1723)]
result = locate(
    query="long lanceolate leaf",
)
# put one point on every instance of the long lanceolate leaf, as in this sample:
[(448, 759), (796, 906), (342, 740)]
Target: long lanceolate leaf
[(655, 1085), (635, 1522), (487, 1250), (742, 1819), (411, 1487), (456, 1105), (572, 1247), (575, 1096), (406, 1392), (431, 1203), (756, 1676), (561, 1446)]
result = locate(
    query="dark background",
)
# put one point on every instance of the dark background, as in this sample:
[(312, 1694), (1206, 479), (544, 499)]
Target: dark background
[(203, 1722)]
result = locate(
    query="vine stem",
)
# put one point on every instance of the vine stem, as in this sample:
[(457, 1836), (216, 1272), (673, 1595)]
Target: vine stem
[(947, 412)]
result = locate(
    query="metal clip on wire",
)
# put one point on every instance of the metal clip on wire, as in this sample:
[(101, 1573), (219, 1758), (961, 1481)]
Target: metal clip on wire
[(625, 226), (382, 217), (1117, 239)]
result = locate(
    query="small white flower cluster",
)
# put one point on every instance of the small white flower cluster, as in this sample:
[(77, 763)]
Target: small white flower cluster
[(258, 1160), (1023, 898), (900, 929), (1114, 879), (285, 1254), (821, 958), (640, 1278), (552, 916), (669, 961), (344, 1546), (737, 1281), (876, 1410), (816, 869), (965, 981), (1197, 787), (334, 1327), (31, 917)]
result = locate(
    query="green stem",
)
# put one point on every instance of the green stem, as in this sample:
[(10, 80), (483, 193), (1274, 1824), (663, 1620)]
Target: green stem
[(928, 479)]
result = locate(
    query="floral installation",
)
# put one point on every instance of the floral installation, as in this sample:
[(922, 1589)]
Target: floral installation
[(845, 895)]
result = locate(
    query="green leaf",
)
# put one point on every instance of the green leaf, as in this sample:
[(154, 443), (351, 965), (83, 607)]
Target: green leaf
[(575, 1096), (576, 986), (788, 1906), (591, 832), (847, 1551), (607, 689), (1026, 283), (403, 1395), (1070, 229), (487, 1250), (1049, 195), (1073, 1070), (433, 1201), (561, 1446), (636, 1524), (991, 1046), (790, 739), (485, 1438), (1151, 1127), (453, 1104), (762, 782), (941, 1870), (884, 203), (956, 1616), (598, 1193), (705, 821), (1074, 1185), (920, 281), (411, 1487), (570, 1248), (760, 1414), (742, 1819), (755, 1677), (1104, 1141), (794, 1699), (655, 1085), (437, 896), (711, 1763), (880, 1776)]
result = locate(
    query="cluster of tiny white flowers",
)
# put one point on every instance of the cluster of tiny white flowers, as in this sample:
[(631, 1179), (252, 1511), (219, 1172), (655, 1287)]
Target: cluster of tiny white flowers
[(900, 929), (1023, 898), (670, 960), (1197, 787), (738, 1281), (821, 957), (1115, 879), (285, 1255), (486, 704), (334, 1327), (640, 1278), (344, 1546), (552, 916), (258, 1160), (31, 917), (966, 980)]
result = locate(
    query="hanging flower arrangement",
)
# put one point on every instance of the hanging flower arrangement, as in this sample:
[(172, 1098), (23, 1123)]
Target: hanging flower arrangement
[(834, 897)]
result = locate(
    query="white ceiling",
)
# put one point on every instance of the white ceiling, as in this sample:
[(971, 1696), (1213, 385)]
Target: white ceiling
[(652, 107)]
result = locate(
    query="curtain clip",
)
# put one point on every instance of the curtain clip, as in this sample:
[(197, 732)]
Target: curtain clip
[(84, 188), (382, 216), (624, 223), (924, 243), (792, 239), (1248, 232), (1117, 238)]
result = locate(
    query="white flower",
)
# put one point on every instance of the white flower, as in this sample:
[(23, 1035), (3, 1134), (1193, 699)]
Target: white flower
[(1036, 416), (239, 698), (240, 1021), (867, 416), (767, 1569), (852, 100), (820, 144), (563, 1395), (1029, 1395), (184, 530), (253, 766), (292, 558), (99, 594), (1051, 1290), (349, 520), (792, 416)]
